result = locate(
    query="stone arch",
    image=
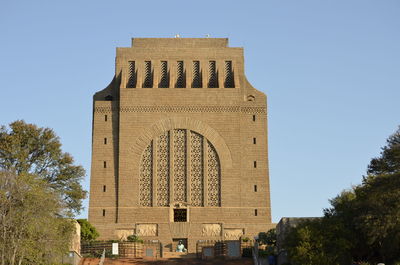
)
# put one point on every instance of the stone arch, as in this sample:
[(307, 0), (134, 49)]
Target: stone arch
[(162, 126)]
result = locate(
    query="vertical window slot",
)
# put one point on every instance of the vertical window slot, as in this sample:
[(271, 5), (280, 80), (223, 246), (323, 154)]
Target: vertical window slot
[(254, 117), (104, 188), (255, 164), (196, 75), (105, 164), (105, 140), (148, 75), (254, 140), (164, 75), (212, 74), (255, 188), (131, 75), (105, 117), (180, 75), (229, 78), (255, 212), (104, 212)]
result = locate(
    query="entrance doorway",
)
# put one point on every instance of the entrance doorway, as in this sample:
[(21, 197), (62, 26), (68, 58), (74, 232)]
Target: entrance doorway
[(175, 242)]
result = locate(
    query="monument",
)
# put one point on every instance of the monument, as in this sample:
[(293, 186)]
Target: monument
[(179, 148)]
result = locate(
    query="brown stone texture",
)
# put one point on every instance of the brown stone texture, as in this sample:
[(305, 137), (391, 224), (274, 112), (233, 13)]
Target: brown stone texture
[(180, 127)]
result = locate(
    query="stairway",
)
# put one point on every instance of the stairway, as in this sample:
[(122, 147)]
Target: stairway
[(178, 255)]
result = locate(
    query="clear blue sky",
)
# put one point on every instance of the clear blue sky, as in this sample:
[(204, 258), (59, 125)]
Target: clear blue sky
[(331, 70)]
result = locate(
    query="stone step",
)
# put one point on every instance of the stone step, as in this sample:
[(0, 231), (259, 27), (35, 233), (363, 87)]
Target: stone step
[(178, 255)]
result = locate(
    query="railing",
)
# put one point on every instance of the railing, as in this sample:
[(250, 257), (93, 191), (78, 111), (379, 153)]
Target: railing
[(125, 249), (220, 246)]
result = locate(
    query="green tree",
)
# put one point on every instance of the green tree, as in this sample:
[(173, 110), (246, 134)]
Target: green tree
[(28, 149), (363, 223), (389, 160), (268, 238), (88, 231), (31, 230)]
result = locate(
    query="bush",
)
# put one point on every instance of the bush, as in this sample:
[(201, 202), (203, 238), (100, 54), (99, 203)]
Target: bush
[(134, 238), (245, 239), (247, 252)]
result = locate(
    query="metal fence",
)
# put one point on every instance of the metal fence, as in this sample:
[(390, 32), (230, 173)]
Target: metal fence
[(220, 246), (150, 248)]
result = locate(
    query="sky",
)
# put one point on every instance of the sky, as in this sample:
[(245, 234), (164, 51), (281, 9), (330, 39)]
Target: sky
[(330, 69)]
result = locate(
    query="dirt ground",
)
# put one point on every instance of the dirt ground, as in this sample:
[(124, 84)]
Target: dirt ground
[(184, 261)]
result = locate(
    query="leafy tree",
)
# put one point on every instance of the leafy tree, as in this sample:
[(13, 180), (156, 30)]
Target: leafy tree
[(28, 149), (268, 238), (363, 223), (389, 161), (31, 231), (88, 231)]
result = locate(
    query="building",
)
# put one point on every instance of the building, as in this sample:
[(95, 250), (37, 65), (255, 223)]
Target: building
[(179, 149)]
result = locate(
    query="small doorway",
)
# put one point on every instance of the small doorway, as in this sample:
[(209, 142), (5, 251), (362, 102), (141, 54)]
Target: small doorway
[(175, 242)]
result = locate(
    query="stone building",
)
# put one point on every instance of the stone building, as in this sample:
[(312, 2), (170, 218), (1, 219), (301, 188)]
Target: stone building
[(179, 148)]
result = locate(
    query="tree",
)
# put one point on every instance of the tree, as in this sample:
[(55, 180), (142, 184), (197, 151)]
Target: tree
[(88, 231), (389, 161), (31, 230), (28, 149), (268, 238), (363, 223)]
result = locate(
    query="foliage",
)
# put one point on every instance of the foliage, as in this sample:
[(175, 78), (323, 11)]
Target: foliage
[(245, 239), (28, 149), (134, 238), (247, 252), (32, 232), (88, 231), (389, 161), (363, 223), (268, 238)]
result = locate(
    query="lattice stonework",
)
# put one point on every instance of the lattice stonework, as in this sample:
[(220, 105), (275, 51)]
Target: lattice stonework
[(229, 78), (213, 177), (196, 75), (148, 75), (196, 169), (163, 169), (146, 174), (179, 165), (212, 74), (180, 74), (132, 75), (164, 80), (171, 150)]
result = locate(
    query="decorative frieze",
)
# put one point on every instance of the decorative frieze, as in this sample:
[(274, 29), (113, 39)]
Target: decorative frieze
[(179, 109)]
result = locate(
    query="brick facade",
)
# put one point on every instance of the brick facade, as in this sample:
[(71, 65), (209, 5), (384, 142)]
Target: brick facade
[(179, 130)]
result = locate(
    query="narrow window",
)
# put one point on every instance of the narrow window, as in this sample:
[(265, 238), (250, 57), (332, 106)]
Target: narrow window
[(254, 140), (148, 75), (229, 79), (105, 140), (255, 212), (105, 164), (104, 212), (164, 79), (180, 215), (212, 74), (180, 75), (196, 75), (104, 188), (255, 164), (254, 117), (131, 75), (105, 117), (255, 188)]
